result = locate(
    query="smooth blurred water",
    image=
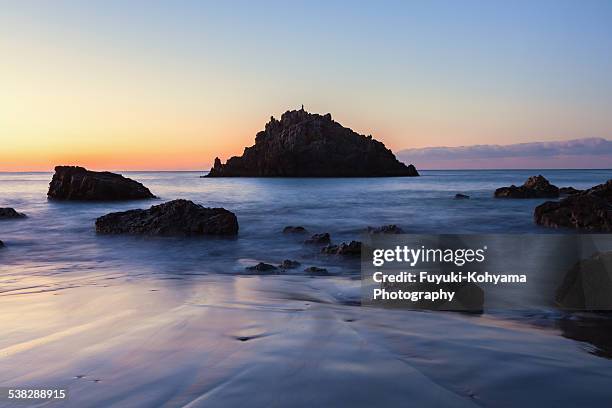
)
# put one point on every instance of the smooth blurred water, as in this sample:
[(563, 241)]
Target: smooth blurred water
[(59, 237)]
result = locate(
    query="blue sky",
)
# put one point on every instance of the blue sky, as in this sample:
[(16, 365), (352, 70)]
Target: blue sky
[(197, 79)]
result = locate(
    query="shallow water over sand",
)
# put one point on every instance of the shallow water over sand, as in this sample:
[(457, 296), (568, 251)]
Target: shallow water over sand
[(132, 321)]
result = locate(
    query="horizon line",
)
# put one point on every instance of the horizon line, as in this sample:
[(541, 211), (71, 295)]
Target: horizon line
[(419, 169)]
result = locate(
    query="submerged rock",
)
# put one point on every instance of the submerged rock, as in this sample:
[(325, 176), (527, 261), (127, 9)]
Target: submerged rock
[(589, 210), (177, 217), (8, 213), (290, 229), (319, 239), (534, 187), (262, 268), (302, 144), (78, 183), (588, 284), (460, 196), (330, 249), (385, 229), (289, 264), (353, 248), (315, 271)]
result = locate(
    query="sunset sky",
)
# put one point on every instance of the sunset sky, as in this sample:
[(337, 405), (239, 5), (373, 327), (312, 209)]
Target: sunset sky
[(170, 85)]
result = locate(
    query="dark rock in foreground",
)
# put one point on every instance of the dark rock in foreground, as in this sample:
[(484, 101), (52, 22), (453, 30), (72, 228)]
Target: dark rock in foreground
[(315, 271), (459, 196), (352, 249), (588, 284), (534, 187), (569, 191), (385, 229), (290, 229), (319, 239), (592, 328), (263, 269), (177, 217), (8, 213), (589, 210), (289, 264), (302, 144), (1, 244), (78, 183)]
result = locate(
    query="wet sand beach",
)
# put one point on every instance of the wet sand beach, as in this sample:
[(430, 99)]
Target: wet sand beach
[(278, 341)]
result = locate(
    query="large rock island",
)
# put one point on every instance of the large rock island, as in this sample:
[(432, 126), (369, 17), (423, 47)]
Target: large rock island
[(303, 144), (78, 183)]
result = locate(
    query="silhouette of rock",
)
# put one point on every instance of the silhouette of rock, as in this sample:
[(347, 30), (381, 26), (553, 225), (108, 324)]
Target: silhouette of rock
[(177, 217), (8, 213), (459, 196), (589, 210), (353, 248), (261, 266), (588, 284), (534, 187), (385, 229), (315, 271), (289, 264), (303, 144), (319, 239), (592, 328), (78, 183), (1, 244), (263, 269), (290, 229), (569, 190)]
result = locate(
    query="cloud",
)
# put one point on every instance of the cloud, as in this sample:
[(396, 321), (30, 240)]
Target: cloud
[(578, 153)]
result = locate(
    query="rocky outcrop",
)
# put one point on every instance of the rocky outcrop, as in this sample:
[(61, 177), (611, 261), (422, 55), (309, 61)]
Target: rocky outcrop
[(290, 229), (351, 249), (588, 284), (177, 217), (263, 269), (1, 244), (289, 264), (385, 229), (302, 144), (324, 238), (316, 271), (569, 191), (590, 210), (592, 328), (10, 213), (534, 187), (78, 183)]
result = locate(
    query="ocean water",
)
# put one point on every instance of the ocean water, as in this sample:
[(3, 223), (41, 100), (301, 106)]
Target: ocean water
[(60, 235), (178, 301)]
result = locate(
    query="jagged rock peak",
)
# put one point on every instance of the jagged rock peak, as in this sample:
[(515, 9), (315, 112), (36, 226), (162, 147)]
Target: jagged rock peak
[(303, 144)]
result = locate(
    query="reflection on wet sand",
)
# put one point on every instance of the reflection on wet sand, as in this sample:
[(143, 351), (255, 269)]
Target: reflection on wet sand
[(277, 341)]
